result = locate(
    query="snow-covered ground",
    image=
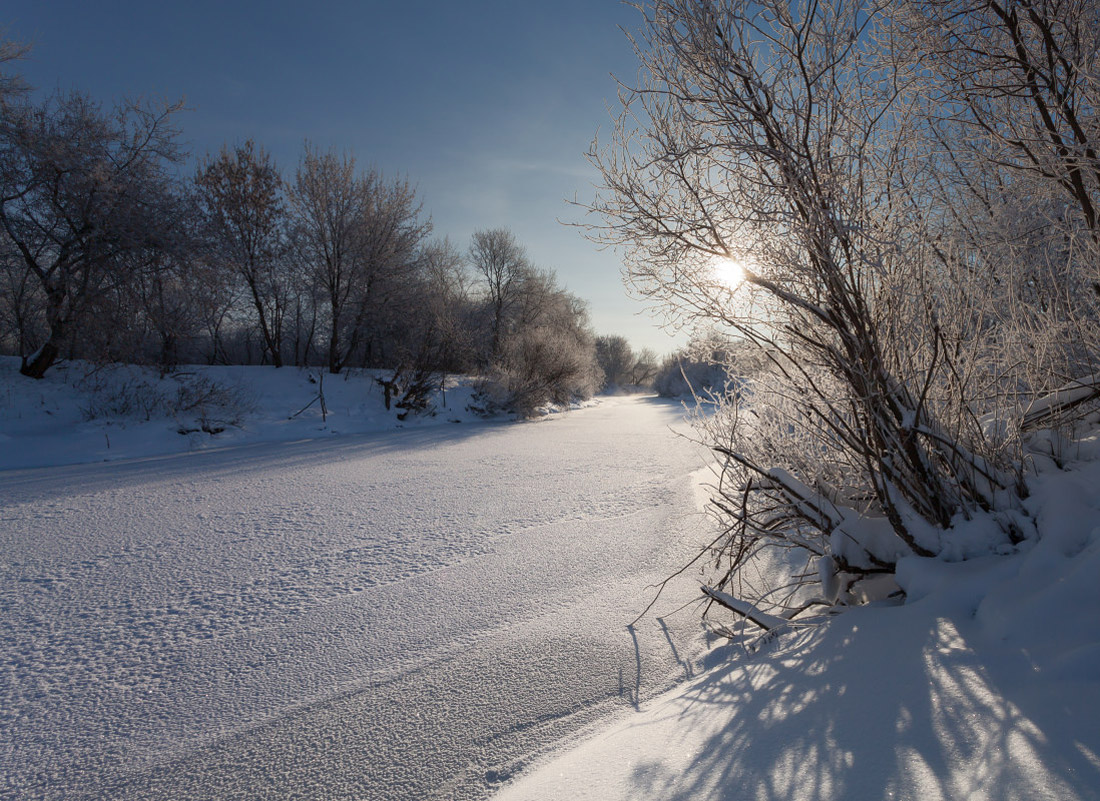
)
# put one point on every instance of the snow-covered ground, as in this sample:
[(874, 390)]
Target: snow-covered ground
[(985, 686), (83, 413), (369, 608), (397, 614)]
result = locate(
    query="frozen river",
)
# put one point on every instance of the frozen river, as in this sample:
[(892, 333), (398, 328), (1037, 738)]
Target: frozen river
[(398, 616)]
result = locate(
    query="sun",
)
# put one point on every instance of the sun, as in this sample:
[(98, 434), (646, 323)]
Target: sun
[(726, 272)]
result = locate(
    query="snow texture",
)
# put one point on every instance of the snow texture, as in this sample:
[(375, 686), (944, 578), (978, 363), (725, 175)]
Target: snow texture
[(364, 608), (409, 613), (984, 686)]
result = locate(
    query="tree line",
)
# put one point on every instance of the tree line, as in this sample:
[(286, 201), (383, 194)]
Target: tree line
[(109, 252)]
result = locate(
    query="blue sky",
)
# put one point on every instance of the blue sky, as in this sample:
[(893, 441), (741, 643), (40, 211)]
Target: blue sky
[(487, 105)]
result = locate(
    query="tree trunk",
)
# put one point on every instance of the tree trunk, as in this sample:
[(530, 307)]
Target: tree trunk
[(42, 360), (334, 360)]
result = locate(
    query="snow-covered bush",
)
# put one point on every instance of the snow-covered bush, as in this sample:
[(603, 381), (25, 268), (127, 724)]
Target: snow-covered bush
[(409, 389), (194, 401), (539, 367), (710, 366)]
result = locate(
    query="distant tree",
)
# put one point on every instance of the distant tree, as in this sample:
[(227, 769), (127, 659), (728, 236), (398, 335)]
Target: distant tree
[(434, 337), (305, 318), (22, 305), (616, 360), (166, 299), (241, 194), (328, 208), (547, 352), (702, 369), (360, 236), (86, 202), (444, 295), (502, 268), (644, 369), (216, 295)]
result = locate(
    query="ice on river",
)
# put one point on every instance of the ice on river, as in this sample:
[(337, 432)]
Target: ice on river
[(402, 614)]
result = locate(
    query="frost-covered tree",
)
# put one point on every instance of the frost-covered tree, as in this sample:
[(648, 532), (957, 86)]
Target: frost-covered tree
[(537, 347), (87, 203), (621, 366), (359, 235), (435, 335), (549, 356), (502, 267), (442, 291), (1020, 77), (241, 194), (616, 360), (1009, 157), (771, 134)]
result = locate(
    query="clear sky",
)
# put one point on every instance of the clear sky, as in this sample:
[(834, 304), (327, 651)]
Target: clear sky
[(488, 106)]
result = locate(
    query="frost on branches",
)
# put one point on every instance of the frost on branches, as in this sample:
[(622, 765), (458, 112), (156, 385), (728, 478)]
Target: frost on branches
[(917, 300)]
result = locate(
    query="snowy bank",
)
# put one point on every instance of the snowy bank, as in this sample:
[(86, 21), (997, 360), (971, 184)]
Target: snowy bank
[(985, 685), (80, 413)]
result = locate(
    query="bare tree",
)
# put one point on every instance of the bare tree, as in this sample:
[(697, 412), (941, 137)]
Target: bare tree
[(12, 85), (644, 369), (215, 294), (166, 304), (443, 293), (501, 265), (359, 234), (328, 210), (86, 199), (19, 301), (241, 192), (434, 335), (22, 305), (616, 360), (770, 133)]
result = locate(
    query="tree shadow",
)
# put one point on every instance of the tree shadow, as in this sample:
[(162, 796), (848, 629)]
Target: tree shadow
[(41, 483), (929, 719)]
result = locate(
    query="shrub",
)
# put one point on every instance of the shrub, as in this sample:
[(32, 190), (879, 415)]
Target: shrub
[(538, 367)]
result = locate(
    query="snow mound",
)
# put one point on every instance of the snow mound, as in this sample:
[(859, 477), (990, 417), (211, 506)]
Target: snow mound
[(984, 685)]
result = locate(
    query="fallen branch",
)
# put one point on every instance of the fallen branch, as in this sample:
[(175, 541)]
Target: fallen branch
[(1075, 393), (745, 609)]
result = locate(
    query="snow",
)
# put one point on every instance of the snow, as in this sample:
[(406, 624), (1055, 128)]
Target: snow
[(1072, 394), (746, 610), (365, 607), (82, 413), (984, 685), (400, 613)]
